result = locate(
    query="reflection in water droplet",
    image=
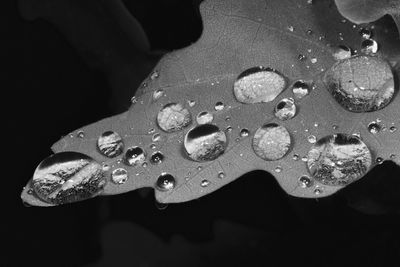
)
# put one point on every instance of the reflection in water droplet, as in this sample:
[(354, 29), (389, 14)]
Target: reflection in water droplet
[(156, 158), (342, 52), (300, 89), (258, 84), (165, 182), (205, 183), (219, 106), (338, 159), (205, 142), (365, 33), (68, 177), (244, 132), (369, 46), (361, 83), (285, 109), (157, 94), (134, 156), (173, 117), (119, 176), (110, 144), (204, 117), (374, 127), (271, 141), (305, 181), (221, 175), (312, 139)]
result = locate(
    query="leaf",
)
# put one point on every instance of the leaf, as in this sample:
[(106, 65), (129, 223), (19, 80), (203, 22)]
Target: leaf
[(239, 35)]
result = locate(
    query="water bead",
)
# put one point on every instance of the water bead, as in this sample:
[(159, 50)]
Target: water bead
[(285, 109), (110, 144), (173, 117), (134, 156), (119, 176), (165, 182)]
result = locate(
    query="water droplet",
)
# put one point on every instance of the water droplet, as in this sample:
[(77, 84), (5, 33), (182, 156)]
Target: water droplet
[(244, 132), (300, 89), (369, 46), (205, 142), (68, 177), (309, 32), (156, 137), (304, 158), (321, 37), (374, 127), (165, 182), (365, 33), (151, 131), (342, 52), (191, 103), (335, 127), (221, 175), (318, 191), (199, 168), (392, 156), (379, 160), (313, 60), (157, 94), (30, 191), (105, 167), (258, 84), (119, 176), (144, 164), (392, 129), (312, 139), (296, 157), (205, 183), (285, 109), (133, 100), (228, 129), (110, 144), (338, 159), (204, 117), (134, 156), (154, 75), (290, 28), (361, 83), (305, 181), (153, 146), (173, 117), (157, 158), (81, 134), (310, 2), (219, 106), (271, 141), (301, 57), (278, 169)]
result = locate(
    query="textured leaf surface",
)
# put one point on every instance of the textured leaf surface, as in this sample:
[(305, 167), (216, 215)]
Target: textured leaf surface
[(239, 35)]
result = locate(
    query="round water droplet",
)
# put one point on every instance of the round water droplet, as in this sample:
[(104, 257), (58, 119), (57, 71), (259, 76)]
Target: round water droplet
[(309, 32), (156, 137), (153, 146), (204, 117), (361, 83), (205, 183), (156, 158), (258, 84), (278, 169), (301, 57), (219, 106), (244, 132), (157, 94), (68, 177), (119, 176), (271, 141), (285, 109), (300, 89), (313, 60), (173, 117), (392, 129), (312, 139), (318, 191), (110, 144), (205, 142), (365, 33), (374, 127), (154, 75), (81, 134), (338, 159), (165, 182), (342, 52), (369, 46), (221, 175), (379, 160), (305, 181), (295, 157), (134, 156)]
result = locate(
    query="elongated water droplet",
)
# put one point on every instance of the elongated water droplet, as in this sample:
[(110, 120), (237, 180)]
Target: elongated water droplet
[(285, 109), (258, 84), (204, 117), (219, 106), (68, 177), (305, 181), (244, 132), (374, 127), (205, 142), (157, 94), (173, 117), (165, 182), (369, 46), (342, 52), (361, 83), (338, 159), (110, 144), (300, 89), (156, 157), (134, 156), (271, 141), (119, 176)]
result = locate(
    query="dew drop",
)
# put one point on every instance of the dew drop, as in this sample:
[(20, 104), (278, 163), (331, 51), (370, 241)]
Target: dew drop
[(290, 28), (133, 100), (156, 158), (342, 52), (258, 84), (151, 131), (205, 183), (300, 89), (313, 60), (309, 32), (154, 75), (81, 134), (379, 160), (157, 94), (392, 156), (295, 157), (312, 139), (244, 132), (392, 129), (301, 57), (119, 176), (374, 127), (204, 117), (285, 109), (318, 191), (219, 106), (144, 164), (305, 181), (105, 167), (365, 33), (205, 142), (153, 146), (110, 144), (221, 175), (228, 129), (369, 46), (68, 177), (134, 156), (338, 159), (165, 182), (361, 83), (271, 141), (191, 103), (173, 117), (156, 137), (278, 169)]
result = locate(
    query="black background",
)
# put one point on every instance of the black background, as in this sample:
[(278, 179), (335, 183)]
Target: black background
[(48, 91)]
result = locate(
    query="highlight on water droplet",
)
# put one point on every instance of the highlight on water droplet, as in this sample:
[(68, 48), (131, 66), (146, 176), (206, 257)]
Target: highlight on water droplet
[(342, 52), (68, 177), (165, 182), (173, 117), (300, 89), (285, 109), (271, 141), (119, 176), (369, 46), (258, 84), (205, 142), (219, 106), (110, 144), (339, 159), (157, 157), (134, 156), (361, 83), (204, 117)]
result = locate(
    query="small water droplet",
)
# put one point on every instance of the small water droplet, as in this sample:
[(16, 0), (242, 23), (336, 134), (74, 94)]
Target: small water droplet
[(228, 129), (157, 94), (244, 132), (392, 129), (318, 191), (205, 142), (295, 157), (290, 28), (258, 84), (80, 134), (392, 156), (301, 57), (379, 160), (305, 181), (310, 2), (144, 164), (309, 32), (221, 175), (173, 117), (312, 139), (271, 141), (191, 103), (285, 109), (278, 169), (219, 106), (105, 167), (374, 127), (154, 75), (30, 191), (156, 158), (133, 100), (110, 144), (119, 176), (165, 182), (342, 52), (365, 33), (204, 117), (153, 146), (338, 159), (321, 37), (151, 131), (134, 156), (300, 89), (205, 183), (199, 168), (369, 46), (156, 137), (313, 60), (335, 127)]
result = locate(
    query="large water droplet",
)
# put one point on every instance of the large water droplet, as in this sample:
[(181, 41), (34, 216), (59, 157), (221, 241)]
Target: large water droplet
[(110, 144), (119, 176), (361, 83), (204, 117), (369, 46), (134, 156), (342, 52), (165, 182), (68, 177), (205, 142), (285, 109), (156, 157), (300, 89), (258, 84), (173, 117), (271, 141), (338, 159)]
